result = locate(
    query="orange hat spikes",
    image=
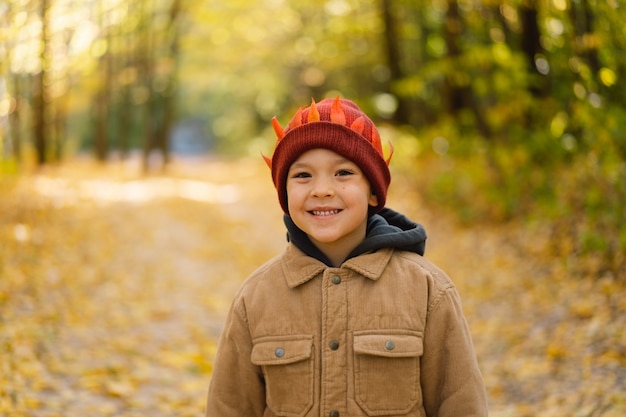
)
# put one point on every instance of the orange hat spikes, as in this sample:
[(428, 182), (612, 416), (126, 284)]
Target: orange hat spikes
[(358, 125), (314, 115), (278, 129), (267, 160), (337, 115), (388, 160), (376, 142)]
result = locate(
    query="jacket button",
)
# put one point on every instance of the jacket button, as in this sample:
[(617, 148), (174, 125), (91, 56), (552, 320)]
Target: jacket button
[(336, 279), (390, 345), (334, 345), (333, 413), (280, 352)]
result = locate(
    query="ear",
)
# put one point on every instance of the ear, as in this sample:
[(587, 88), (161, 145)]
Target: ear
[(373, 200)]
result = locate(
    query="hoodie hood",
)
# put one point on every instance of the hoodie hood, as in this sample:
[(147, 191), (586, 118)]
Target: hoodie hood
[(387, 229)]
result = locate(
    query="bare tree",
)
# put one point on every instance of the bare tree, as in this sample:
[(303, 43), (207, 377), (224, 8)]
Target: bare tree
[(15, 87), (40, 91), (394, 57), (532, 49), (460, 96), (585, 44), (169, 94)]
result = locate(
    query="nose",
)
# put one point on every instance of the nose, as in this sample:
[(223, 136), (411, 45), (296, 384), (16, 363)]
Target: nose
[(322, 187)]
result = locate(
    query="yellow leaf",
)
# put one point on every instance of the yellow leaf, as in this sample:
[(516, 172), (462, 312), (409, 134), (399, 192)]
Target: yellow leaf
[(121, 389)]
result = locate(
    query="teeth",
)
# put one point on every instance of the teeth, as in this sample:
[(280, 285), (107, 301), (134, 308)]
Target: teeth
[(325, 213)]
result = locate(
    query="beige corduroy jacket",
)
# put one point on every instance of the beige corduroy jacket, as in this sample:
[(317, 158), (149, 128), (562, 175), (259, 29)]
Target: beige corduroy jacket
[(383, 335)]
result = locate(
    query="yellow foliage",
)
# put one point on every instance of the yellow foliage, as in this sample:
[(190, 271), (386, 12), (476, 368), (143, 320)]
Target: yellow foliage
[(114, 288), (121, 389), (583, 309)]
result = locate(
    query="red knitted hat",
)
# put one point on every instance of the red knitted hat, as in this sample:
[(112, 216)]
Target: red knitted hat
[(340, 126)]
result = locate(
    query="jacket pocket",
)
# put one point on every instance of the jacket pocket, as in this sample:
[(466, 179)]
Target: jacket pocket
[(287, 363), (387, 371)]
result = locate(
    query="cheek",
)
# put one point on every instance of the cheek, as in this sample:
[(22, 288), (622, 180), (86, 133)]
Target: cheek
[(293, 194)]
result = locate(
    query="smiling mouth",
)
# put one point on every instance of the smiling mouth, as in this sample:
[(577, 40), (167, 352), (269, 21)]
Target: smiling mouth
[(323, 213)]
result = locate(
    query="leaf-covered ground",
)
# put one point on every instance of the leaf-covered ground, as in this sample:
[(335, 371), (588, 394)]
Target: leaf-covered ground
[(114, 286)]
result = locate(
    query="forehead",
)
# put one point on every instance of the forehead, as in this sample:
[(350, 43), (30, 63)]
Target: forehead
[(320, 156)]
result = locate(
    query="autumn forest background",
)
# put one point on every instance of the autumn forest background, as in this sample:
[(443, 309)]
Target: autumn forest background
[(133, 199)]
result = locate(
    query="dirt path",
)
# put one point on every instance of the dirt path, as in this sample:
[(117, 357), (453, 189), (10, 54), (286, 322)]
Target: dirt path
[(114, 287)]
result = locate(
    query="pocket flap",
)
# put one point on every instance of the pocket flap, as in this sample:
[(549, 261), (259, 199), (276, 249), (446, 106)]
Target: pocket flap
[(281, 350), (393, 345)]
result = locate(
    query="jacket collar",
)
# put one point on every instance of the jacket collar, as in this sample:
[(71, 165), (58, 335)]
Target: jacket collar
[(388, 229), (299, 268)]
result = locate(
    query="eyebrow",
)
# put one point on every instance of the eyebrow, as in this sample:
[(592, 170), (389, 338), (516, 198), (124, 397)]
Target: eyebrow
[(337, 161), (298, 165)]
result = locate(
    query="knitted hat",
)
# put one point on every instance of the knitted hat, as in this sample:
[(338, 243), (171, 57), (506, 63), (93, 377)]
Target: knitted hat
[(340, 126)]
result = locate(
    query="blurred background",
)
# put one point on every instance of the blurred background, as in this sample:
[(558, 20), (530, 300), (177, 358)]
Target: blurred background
[(508, 120), (527, 97)]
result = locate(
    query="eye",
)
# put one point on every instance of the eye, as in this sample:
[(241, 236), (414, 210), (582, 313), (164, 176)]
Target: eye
[(344, 172), (301, 174)]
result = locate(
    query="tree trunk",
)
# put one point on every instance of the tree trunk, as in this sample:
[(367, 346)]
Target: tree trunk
[(582, 19), (149, 127), (100, 135), (15, 93), (40, 132), (103, 97), (531, 46), (453, 28), (150, 106), (460, 96), (169, 96), (59, 127), (125, 109), (14, 120), (394, 59), (125, 122)]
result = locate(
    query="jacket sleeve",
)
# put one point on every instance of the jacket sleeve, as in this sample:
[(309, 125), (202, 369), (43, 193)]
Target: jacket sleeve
[(452, 384), (237, 387)]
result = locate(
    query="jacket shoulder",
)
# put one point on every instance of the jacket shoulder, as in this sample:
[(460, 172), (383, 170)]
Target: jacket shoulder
[(437, 280)]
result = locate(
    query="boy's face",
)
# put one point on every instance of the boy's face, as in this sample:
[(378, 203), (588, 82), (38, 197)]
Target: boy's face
[(328, 198)]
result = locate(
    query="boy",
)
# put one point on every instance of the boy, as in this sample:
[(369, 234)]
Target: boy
[(350, 320)]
